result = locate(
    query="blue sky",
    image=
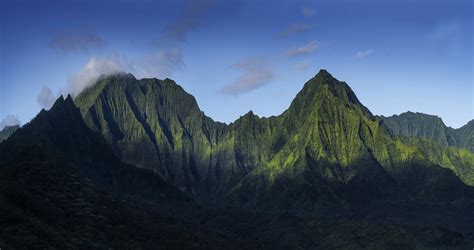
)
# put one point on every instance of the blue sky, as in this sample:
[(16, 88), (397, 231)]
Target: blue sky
[(236, 56)]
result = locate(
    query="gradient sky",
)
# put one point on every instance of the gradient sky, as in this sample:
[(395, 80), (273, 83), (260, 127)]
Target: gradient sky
[(236, 56)]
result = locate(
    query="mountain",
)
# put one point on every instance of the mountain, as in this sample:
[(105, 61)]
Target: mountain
[(325, 174), (428, 126), (7, 131), (465, 136), (154, 124), (63, 187), (334, 154), (62, 133)]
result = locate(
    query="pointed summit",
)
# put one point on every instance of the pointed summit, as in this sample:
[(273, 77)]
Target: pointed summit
[(323, 86), (324, 78), (323, 74), (58, 102), (63, 118), (69, 99), (65, 108)]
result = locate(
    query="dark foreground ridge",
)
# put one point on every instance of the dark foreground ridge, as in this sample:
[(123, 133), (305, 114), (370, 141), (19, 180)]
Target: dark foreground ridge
[(324, 174)]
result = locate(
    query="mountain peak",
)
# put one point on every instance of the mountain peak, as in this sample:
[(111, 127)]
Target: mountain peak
[(323, 77), (323, 73), (69, 99), (250, 113), (61, 102), (58, 102), (324, 86)]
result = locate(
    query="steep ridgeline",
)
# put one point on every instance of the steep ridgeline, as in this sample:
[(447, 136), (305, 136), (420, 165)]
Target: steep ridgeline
[(465, 136), (332, 153), (154, 124), (428, 126), (61, 134), (325, 151), (64, 188)]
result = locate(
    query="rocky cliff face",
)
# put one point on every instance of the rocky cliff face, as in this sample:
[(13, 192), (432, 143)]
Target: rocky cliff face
[(325, 139), (411, 124), (324, 174)]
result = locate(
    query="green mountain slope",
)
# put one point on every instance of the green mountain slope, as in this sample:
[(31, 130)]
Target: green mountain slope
[(326, 138), (156, 125), (324, 174), (62, 133), (459, 160), (335, 154), (63, 187), (411, 124), (465, 136)]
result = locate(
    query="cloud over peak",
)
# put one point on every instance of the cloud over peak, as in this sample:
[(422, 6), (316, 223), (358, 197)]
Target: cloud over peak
[(9, 120), (93, 69), (160, 64)]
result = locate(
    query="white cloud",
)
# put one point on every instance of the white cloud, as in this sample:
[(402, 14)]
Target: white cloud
[(363, 54), (303, 49), (46, 98), (161, 64), (255, 74), (93, 69), (9, 120)]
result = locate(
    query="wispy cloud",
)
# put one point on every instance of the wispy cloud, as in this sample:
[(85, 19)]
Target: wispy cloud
[(307, 12), (364, 53), (304, 49), (303, 66), (255, 74), (295, 28), (76, 41), (93, 69), (191, 18), (46, 98), (161, 64), (9, 120)]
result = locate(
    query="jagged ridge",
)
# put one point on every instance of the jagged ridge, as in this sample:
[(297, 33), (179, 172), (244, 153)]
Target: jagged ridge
[(155, 124), (428, 126)]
